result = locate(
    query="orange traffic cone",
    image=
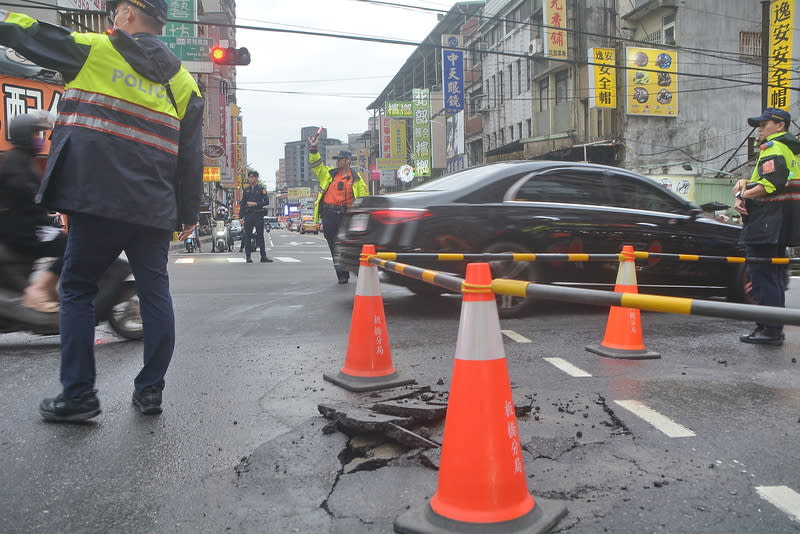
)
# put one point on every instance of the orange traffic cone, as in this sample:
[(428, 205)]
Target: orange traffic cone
[(482, 485), (623, 337), (368, 363)]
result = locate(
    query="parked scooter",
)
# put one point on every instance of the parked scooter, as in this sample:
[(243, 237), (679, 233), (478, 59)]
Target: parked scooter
[(116, 301), (222, 239)]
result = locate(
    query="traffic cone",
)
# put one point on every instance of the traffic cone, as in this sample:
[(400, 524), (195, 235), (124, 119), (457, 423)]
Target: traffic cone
[(482, 485), (623, 338), (368, 362)]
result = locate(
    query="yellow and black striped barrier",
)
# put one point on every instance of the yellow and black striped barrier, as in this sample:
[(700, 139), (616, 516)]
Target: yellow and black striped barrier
[(594, 297), (526, 256)]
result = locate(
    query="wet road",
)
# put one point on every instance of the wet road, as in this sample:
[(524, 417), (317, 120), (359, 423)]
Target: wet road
[(240, 444)]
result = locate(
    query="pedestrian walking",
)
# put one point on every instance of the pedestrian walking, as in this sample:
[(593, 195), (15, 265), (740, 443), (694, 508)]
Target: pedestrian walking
[(770, 206), (252, 208), (126, 165), (339, 187)]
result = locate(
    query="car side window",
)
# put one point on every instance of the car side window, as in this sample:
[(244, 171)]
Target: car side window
[(636, 194), (567, 186)]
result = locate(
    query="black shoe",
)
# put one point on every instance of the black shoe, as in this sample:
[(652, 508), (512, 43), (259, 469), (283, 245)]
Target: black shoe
[(265, 259), (148, 401), (763, 335), (249, 260), (72, 410)]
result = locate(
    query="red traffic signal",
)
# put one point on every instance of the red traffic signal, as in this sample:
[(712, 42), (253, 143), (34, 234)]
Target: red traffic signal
[(230, 56)]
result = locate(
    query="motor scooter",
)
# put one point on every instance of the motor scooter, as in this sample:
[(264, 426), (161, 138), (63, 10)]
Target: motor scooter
[(221, 241), (116, 300), (192, 242)]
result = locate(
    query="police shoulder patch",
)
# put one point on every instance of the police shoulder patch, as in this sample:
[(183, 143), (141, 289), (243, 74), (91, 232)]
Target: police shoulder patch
[(768, 167)]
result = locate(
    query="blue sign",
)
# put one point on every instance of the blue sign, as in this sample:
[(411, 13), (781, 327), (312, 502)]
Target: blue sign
[(453, 80)]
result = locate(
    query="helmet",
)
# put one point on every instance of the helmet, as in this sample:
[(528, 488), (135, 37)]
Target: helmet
[(155, 8), (23, 129)]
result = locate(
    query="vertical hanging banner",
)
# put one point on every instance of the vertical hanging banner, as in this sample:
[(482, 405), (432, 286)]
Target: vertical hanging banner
[(399, 147), (781, 22), (554, 13), (452, 73), (602, 78), (386, 137), (423, 151), (652, 85)]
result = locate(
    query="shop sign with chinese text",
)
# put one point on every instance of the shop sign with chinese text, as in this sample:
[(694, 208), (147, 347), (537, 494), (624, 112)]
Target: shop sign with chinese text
[(423, 151), (781, 22), (452, 73), (398, 110), (602, 78), (554, 13)]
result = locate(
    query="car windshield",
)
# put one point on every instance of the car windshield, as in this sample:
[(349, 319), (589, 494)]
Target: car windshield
[(454, 181)]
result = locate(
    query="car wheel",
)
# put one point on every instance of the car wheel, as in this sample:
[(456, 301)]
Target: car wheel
[(741, 289), (510, 306), (126, 318)]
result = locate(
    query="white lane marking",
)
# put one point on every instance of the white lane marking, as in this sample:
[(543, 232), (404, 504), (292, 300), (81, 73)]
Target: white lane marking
[(236, 260), (286, 259), (661, 422), (515, 337), (567, 367), (327, 258), (785, 499), (184, 260)]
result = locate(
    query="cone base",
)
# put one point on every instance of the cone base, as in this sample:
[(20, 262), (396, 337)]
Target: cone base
[(360, 384), (623, 354), (423, 520)]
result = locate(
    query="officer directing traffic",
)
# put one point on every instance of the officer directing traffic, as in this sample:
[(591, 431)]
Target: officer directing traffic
[(252, 207), (339, 187), (126, 165)]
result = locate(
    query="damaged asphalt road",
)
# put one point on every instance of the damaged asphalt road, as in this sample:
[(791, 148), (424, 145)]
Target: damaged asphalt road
[(253, 440)]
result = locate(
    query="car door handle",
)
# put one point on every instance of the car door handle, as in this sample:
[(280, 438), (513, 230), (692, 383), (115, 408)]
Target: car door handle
[(545, 218), (649, 225)]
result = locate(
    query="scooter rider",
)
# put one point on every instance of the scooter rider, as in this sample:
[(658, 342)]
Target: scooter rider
[(26, 227)]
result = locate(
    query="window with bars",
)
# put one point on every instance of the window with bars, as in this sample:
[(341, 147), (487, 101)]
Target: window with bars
[(95, 22), (750, 44)]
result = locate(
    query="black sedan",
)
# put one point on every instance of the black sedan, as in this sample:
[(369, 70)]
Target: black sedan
[(549, 207)]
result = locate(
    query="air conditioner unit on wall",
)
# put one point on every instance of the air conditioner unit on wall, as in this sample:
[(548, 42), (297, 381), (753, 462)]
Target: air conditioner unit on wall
[(536, 47)]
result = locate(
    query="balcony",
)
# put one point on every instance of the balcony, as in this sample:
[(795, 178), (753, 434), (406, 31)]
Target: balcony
[(644, 7)]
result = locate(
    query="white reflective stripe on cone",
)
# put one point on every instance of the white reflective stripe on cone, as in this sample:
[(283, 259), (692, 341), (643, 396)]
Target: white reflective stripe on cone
[(479, 335), (367, 284), (626, 275)]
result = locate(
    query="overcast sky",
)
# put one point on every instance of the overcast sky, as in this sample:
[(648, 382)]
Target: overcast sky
[(322, 66)]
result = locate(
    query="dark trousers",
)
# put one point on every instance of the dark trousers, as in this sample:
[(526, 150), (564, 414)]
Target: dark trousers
[(254, 222), (93, 244), (769, 282), (331, 219)]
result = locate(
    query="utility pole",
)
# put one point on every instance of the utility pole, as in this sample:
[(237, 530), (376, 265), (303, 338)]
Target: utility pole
[(764, 53)]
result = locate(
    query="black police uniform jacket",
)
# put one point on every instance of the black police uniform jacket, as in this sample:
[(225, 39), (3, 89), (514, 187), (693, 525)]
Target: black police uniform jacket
[(255, 194), (117, 153)]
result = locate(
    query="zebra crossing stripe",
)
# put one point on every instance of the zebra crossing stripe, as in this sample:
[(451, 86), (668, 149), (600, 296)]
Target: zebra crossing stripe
[(785, 499), (286, 259), (184, 260)]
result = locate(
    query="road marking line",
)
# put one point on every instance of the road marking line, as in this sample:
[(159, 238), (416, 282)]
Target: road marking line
[(184, 260), (661, 422), (519, 338), (236, 260), (286, 259), (785, 499), (567, 367), (327, 258)]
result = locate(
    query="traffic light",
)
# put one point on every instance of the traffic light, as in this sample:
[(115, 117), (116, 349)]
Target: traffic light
[(230, 56)]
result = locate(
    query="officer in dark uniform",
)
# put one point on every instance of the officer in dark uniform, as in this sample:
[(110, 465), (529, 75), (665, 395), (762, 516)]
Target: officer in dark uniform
[(252, 208)]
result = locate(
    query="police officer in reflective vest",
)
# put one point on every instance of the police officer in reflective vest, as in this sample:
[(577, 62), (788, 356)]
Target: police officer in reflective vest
[(126, 165), (339, 187), (770, 206), (251, 207)]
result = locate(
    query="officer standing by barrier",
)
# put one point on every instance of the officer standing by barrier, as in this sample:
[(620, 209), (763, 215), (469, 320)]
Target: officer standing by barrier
[(126, 165), (339, 187), (251, 207), (770, 208)]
